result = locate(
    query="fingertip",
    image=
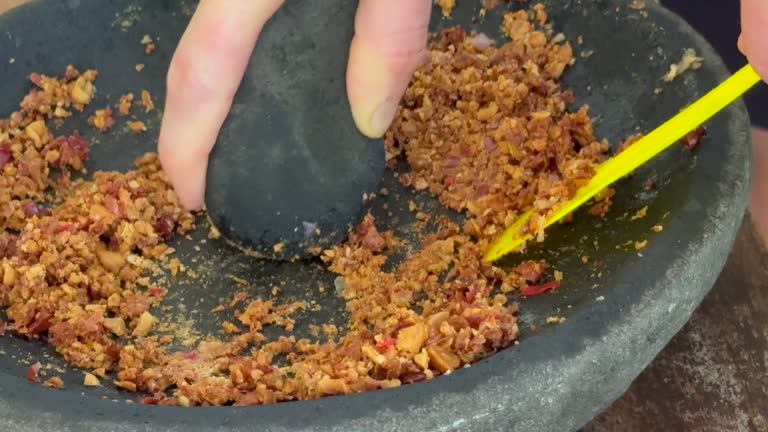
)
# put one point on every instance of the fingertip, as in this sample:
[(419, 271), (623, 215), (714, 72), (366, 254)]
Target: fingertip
[(754, 20), (186, 172), (389, 44)]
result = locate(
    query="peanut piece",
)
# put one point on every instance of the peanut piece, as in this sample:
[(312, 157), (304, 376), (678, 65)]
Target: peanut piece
[(372, 354), (9, 274), (144, 325), (422, 359), (412, 338), (115, 325), (442, 358), (434, 321), (37, 132), (331, 386), (137, 126), (90, 380), (82, 91), (99, 212), (128, 385), (112, 261)]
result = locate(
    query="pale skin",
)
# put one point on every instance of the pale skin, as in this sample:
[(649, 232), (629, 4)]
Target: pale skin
[(389, 44), (754, 44)]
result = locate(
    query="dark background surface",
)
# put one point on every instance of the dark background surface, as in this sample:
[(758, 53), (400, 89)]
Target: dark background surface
[(719, 22)]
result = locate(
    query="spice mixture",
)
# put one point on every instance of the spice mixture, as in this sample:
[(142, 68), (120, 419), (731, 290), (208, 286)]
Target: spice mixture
[(486, 129)]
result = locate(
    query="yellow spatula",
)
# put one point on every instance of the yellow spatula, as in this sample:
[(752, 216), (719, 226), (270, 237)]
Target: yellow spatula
[(635, 155)]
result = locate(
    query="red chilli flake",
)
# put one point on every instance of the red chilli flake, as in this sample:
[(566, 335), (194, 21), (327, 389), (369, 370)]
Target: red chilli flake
[(156, 291), (386, 343), (5, 155), (693, 138), (191, 355), (266, 369), (538, 289), (36, 79), (165, 226), (150, 400)]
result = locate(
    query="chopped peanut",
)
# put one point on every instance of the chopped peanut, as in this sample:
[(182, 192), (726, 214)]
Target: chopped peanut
[(102, 119), (115, 325), (100, 213), (90, 380), (128, 385), (422, 359), (38, 132), (146, 100), (412, 338), (126, 101), (137, 126), (144, 325), (112, 261), (442, 359), (374, 355), (446, 6), (9, 274), (82, 90), (330, 386), (55, 382)]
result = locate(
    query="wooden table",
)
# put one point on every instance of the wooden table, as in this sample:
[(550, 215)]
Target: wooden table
[(713, 376)]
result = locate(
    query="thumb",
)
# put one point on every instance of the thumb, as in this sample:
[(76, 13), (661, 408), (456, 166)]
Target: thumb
[(389, 44), (754, 37)]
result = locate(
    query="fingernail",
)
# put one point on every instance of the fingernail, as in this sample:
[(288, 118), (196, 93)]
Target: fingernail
[(373, 86)]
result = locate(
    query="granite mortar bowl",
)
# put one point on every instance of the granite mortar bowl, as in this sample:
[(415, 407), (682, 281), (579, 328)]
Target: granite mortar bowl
[(619, 314)]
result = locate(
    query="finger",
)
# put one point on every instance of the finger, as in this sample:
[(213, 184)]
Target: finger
[(754, 37), (389, 44), (203, 77)]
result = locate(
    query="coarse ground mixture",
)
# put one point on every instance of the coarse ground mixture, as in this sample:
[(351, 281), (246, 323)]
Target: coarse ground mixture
[(486, 129)]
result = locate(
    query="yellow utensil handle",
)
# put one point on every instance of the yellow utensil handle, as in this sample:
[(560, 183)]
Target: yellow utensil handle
[(638, 153)]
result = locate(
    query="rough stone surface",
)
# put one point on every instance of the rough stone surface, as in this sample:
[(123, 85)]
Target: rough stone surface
[(557, 378), (713, 376)]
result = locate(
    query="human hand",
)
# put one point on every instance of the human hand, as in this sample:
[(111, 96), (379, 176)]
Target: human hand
[(753, 41), (210, 61)]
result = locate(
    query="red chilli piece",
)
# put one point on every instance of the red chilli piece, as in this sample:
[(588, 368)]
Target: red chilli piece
[(5, 155), (386, 343), (151, 400), (532, 290), (36, 79), (191, 355), (33, 373), (40, 323), (266, 369), (164, 226), (693, 138), (79, 145), (156, 291)]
